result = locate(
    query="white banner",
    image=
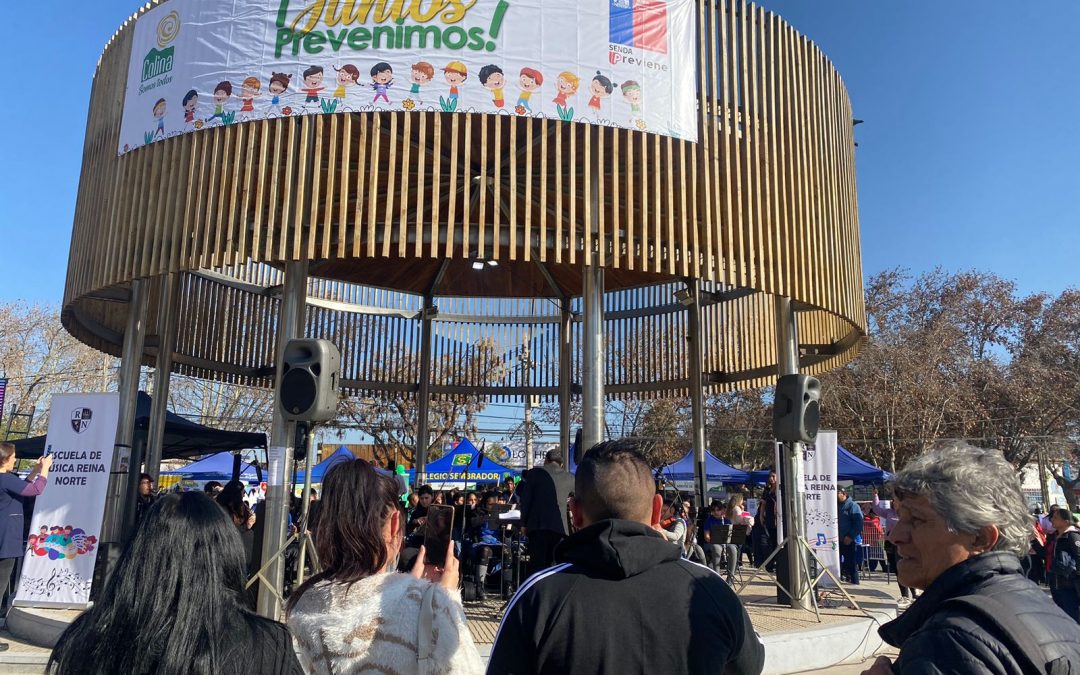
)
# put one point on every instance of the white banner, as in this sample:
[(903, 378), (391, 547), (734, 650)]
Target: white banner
[(64, 532), (620, 63), (819, 485)]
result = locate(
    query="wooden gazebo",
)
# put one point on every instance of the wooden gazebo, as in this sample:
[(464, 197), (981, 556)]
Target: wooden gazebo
[(365, 228)]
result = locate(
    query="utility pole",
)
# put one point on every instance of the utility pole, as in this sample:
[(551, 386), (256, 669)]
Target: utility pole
[(526, 378), (1044, 489)]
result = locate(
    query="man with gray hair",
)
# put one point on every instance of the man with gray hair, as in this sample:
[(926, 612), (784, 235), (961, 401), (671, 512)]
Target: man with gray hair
[(963, 526)]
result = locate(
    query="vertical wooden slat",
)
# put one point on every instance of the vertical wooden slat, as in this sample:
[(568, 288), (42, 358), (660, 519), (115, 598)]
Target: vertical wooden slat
[(389, 189), (527, 245), (544, 201), (513, 155), (343, 181), (451, 208), (373, 193)]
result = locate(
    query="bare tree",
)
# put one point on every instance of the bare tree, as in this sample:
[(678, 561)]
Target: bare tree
[(391, 421), (40, 359)]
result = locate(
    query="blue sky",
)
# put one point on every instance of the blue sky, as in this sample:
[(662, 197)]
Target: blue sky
[(968, 158)]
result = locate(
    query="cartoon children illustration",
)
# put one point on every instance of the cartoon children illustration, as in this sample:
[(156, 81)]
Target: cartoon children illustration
[(631, 91), (491, 77), (222, 92), (382, 78), (422, 73), (159, 115), (313, 78), (279, 84), (600, 88), (347, 76), (529, 81), (249, 89), (455, 73), (567, 85), (190, 104)]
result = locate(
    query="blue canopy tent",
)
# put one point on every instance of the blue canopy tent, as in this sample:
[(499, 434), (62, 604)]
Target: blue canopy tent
[(716, 471), (682, 472), (848, 467), (217, 467), (448, 472), (318, 471)]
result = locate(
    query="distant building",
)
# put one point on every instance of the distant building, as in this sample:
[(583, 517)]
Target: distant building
[(1029, 483)]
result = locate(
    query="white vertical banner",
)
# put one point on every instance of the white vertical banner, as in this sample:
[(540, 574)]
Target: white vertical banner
[(59, 564), (820, 518)]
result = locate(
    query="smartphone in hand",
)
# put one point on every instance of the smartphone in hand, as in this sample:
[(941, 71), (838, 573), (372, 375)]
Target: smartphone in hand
[(437, 529)]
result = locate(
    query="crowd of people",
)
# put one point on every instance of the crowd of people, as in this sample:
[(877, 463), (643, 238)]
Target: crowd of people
[(621, 577)]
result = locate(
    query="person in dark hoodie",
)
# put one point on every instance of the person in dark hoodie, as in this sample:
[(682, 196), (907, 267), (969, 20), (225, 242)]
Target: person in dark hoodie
[(963, 525), (621, 598)]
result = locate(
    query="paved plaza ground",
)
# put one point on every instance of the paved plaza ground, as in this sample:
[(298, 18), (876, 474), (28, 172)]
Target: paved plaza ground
[(775, 623)]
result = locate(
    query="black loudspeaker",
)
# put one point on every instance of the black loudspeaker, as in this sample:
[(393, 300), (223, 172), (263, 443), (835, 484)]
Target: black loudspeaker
[(796, 408), (311, 371)]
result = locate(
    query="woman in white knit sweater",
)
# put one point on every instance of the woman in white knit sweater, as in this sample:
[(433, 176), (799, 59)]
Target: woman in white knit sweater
[(358, 615)]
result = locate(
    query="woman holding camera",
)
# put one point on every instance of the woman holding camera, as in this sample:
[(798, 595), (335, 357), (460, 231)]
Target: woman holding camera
[(358, 614), (14, 492)]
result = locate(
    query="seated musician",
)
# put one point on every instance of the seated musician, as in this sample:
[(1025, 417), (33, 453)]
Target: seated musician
[(715, 552), (483, 540)]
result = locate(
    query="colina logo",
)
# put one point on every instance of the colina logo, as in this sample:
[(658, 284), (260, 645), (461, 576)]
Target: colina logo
[(159, 61)]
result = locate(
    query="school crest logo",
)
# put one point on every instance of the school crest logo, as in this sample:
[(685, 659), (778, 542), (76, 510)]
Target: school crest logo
[(80, 419), (808, 453), (460, 460)]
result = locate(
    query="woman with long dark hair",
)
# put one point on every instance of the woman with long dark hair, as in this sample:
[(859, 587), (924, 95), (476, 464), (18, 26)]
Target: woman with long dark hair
[(358, 614), (231, 498), (174, 604)]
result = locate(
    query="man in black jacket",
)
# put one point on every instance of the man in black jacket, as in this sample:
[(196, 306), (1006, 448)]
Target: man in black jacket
[(543, 494), (962, 529), (623, 600)]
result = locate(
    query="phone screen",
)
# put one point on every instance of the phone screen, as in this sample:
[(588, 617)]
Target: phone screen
[(437, 528)]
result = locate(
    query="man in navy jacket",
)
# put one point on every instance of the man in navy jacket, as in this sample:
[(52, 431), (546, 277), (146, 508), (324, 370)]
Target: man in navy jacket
[(623, 600), (850, 522)]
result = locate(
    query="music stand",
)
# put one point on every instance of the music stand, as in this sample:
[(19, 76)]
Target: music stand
[(493, 520), (730, 535)]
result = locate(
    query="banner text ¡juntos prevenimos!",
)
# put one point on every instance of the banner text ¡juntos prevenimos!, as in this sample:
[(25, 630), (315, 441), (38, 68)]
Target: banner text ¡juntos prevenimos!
[(400, 24)]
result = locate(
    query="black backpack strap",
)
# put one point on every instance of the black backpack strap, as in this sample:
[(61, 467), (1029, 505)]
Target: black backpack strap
[(1016, 637)]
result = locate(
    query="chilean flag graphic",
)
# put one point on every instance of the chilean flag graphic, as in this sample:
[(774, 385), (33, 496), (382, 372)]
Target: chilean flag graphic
[(639, 23)]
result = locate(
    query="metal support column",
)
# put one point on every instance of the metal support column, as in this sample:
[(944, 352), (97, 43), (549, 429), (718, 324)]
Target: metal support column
[(282, 439), (159, 406), (787, 349), (113, 528), (116, 521), (592, 381), (423, 402), (697, 390), (566, 328)]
